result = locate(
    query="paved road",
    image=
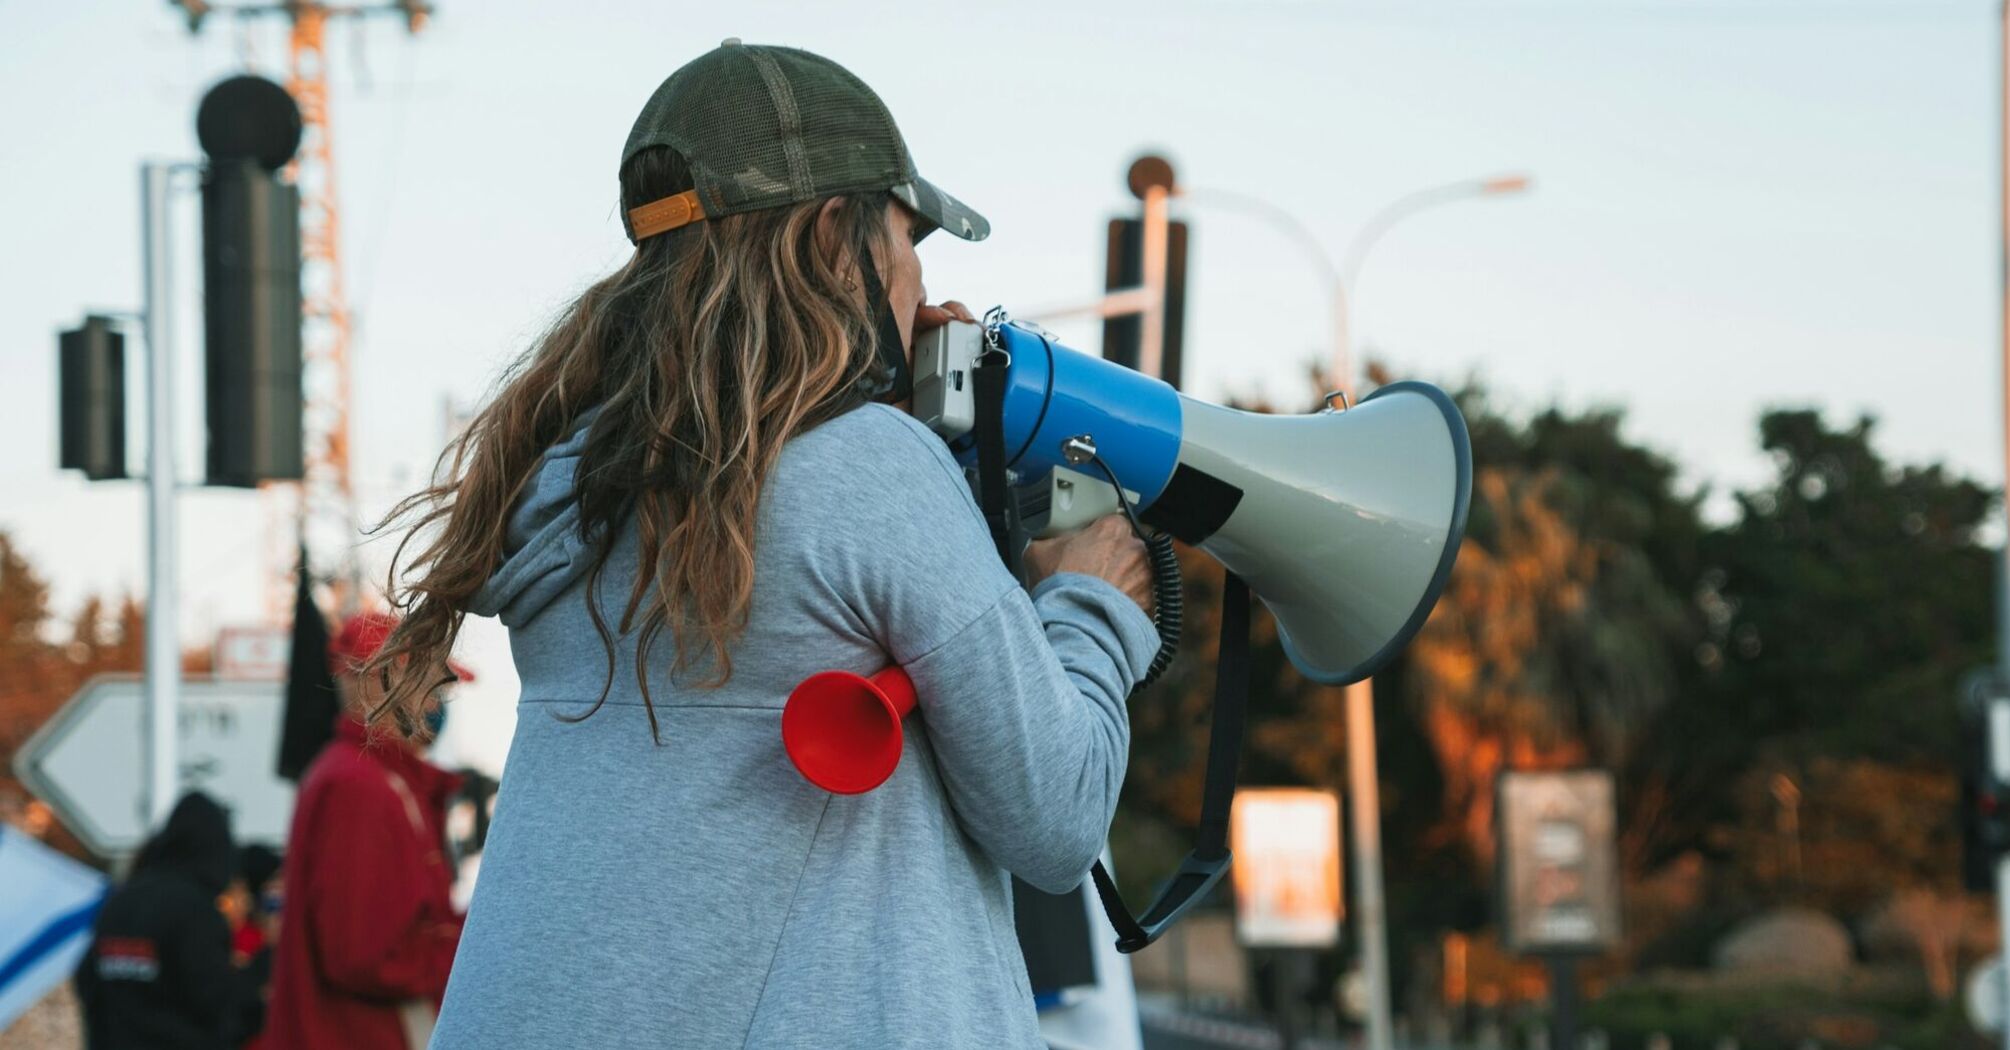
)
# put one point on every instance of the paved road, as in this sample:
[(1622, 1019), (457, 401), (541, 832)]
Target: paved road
[(1172, 1030)]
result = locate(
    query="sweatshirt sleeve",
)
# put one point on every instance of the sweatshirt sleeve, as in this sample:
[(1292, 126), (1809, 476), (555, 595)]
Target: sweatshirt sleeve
[(1022, 696), (373, 934)]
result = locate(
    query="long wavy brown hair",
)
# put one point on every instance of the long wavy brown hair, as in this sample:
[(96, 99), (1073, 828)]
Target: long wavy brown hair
[(712, 346)]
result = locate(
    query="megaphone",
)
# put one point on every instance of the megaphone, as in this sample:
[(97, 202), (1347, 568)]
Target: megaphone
[(1344, 522), (842, 730)]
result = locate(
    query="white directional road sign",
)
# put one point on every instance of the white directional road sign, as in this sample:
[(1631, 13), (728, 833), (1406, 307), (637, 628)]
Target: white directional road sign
[(89, 761)]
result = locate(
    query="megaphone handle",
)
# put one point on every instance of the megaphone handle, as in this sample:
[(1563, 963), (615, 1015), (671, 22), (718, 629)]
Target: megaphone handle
[(1168, 588), (898, 689)]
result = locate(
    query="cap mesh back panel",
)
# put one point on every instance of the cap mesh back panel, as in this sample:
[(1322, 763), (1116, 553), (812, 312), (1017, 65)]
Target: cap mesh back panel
[(731, 134), (848, 137)]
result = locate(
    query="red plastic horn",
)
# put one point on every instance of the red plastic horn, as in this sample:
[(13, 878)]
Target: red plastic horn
[(842, 730)]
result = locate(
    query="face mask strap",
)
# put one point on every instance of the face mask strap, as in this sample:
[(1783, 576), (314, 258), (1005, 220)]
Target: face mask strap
[(896, 383)]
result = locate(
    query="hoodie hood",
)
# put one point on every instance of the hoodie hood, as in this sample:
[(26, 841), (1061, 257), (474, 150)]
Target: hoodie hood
[(195, 842), (545, 551)]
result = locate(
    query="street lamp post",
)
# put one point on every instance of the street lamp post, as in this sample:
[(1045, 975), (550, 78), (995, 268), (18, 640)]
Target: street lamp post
[(163, 643), (1363, 788), (1339, 278), (1371, 232)]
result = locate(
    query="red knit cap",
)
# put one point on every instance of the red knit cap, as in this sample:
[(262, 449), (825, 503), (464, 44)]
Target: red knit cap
[(360, 638)]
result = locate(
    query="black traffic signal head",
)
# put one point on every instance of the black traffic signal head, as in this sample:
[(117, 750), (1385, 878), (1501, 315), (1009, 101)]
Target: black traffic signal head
[(251, 324), (91, 399)]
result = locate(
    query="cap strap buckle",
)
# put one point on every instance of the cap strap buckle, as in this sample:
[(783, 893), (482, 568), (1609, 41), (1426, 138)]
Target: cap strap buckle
[(662, 216)]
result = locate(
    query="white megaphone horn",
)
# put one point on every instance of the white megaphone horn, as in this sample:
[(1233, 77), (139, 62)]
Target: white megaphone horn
[(1345, 523)]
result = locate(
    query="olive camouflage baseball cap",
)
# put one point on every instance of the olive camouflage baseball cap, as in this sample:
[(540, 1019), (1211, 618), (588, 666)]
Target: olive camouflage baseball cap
[(762, 127)]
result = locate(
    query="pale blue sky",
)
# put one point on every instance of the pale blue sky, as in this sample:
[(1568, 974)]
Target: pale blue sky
[(1737, 204)]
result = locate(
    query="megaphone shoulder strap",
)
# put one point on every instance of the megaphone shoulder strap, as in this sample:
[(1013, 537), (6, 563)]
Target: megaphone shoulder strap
[(1209, 860), (1231, 702), (988, 386)]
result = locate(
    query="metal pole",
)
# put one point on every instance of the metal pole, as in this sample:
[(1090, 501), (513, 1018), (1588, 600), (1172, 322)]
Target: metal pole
[(163, 646), (1364, 789), (1116, 304), (1364, 804), (1152, 324), (1999, 746), (1290, 984), (1563, 1002)]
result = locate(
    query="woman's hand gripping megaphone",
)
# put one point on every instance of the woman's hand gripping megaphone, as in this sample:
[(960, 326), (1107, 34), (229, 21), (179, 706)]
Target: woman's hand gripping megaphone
[(1107, 549)]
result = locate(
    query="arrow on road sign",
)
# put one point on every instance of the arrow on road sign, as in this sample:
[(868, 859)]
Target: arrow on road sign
[(89, 761)]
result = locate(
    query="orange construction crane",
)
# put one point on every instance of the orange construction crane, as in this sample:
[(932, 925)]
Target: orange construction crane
[(327, 495)]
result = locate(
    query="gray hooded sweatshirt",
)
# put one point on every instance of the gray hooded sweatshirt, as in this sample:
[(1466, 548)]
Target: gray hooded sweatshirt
[(699, 892)]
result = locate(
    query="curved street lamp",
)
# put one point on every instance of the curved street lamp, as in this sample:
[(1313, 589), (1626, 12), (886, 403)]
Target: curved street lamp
[(1340, 278)]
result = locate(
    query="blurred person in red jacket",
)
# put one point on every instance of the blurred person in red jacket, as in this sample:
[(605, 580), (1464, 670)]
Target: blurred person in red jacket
[(256, 895), (369, 928)]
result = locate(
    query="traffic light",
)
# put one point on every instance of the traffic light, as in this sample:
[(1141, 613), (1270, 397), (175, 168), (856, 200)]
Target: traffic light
[(251, 285), (91, 399), (1985, 798), (250, 127), (1125, 268)]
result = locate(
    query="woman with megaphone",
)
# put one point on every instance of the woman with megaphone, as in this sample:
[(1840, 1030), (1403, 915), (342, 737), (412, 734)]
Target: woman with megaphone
[(697, 489)]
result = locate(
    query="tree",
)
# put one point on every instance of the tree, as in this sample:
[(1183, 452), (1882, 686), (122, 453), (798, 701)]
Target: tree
[(1569, 624), (1842, 606), (1488, 691), (1849, 598), (43, 662), (35, 672), (1594, 617)]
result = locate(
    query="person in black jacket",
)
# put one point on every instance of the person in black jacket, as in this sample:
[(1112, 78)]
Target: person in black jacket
[(158, 973)]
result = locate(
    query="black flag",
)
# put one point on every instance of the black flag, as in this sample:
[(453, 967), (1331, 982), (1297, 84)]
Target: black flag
[(311, 704)]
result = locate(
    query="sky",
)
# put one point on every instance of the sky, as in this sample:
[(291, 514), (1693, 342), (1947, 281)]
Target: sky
[(1735, 205)]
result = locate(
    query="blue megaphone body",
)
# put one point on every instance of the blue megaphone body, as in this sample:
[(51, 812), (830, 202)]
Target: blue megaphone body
[(1345, 523)]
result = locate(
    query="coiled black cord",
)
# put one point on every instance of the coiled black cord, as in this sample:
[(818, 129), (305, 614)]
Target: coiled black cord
[(1168, 589), (1168, 603)]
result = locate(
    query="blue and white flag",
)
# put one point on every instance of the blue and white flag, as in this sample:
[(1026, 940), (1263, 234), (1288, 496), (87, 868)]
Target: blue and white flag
[(45, 919)]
